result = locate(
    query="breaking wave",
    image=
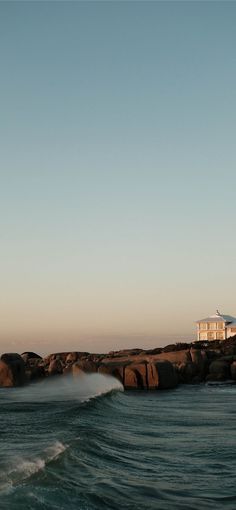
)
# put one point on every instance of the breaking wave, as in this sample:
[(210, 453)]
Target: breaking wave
[(52, 400), (24, 468), (62, 448), (82, 388)]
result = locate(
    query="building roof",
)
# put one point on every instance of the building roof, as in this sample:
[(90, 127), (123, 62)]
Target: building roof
[(232, 325), (218, 317)]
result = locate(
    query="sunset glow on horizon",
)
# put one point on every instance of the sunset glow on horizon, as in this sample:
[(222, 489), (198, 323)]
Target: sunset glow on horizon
[(117, 176)]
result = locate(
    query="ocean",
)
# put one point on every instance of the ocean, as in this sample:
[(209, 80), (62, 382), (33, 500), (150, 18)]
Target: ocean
[(88, 445)]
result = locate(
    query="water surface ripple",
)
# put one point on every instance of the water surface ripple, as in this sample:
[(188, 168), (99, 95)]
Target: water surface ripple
[(61, 449)]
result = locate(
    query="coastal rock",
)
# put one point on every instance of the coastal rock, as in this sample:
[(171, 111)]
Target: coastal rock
[(71, 357), (175, 357), (199, 358), (152, 376), (167, 376), (135, 376), (131, 379), (141, 371), (36, 372), (77, 370), (233, 370), (158, 368), (219, 371), (87, 365), (187, 372), (55, 367), (6, 376), (113, 370), (12, 370), (26, 356)]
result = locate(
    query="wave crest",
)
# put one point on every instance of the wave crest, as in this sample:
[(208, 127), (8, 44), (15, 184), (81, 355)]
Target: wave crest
[(64, 388), (25, 468)]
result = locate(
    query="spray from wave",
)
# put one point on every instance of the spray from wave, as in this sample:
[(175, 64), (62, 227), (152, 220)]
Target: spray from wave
[(64, 388), (16, 469), (25, 468)]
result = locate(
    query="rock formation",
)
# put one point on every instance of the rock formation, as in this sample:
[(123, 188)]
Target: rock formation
[(12, 370), (160, 368)]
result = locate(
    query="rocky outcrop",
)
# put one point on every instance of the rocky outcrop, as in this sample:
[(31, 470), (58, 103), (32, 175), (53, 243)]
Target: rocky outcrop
[(55, 367), (153, 369), (233, 370), (135, 376), (167, 375), (114, 370), (33, 366), (219, 370), (29, 356), (12, 370)]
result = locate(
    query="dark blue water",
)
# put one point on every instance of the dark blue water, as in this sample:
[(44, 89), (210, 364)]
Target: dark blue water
[(61, 449)]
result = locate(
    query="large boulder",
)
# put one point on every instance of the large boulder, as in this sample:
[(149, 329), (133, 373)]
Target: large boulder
[(219, 370), (199, 358), (140, 370), (233, 370), (152, 376), (187, 372), (167, 376), (116, 371), (35, 372), (12, 370), (159, 375), (175, 357), (131, 381), (135, 376), (71, 357), (87, 365), (76, 370), (26, 356), (55, 367)]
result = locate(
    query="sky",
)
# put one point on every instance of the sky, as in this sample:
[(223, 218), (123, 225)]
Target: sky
[(117, 172)]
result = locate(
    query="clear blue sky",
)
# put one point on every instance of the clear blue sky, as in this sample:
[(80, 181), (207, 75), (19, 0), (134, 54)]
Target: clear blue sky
[(117, 171)]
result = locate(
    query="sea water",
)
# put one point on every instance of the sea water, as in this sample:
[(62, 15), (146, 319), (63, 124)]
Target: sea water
[(88, 445)]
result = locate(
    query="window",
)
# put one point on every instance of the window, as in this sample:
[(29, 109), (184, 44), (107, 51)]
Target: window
[(220, 325), (203, 325), (219, 335), (211, 325), (210, 336)]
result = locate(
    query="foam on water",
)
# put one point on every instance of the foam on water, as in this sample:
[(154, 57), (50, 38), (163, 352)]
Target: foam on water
[(157, 450), (54, 390), (24, 468)]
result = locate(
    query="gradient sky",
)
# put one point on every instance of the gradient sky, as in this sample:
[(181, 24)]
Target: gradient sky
[(117, 172)]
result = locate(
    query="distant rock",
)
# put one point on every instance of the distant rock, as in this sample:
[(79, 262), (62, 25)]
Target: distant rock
[(233, 370), (71, 357), (219, 370), (26, 356), (152, 376), (12, 370), (135, 376), (55, 367), (167, 376)]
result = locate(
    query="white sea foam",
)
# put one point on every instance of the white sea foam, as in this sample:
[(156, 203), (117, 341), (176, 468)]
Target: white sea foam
[(61, 389), (65, 388), (25, 468)]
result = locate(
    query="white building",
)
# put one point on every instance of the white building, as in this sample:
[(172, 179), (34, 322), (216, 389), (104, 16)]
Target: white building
[(216, 327)]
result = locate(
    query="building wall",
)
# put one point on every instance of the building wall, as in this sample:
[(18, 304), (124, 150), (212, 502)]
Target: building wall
[(231, 331), (211, 331)]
